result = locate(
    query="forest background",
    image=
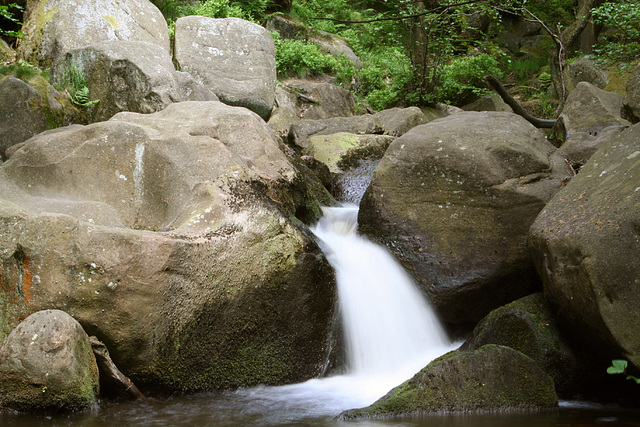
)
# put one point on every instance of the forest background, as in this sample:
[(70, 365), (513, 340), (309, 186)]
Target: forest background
[(424, 52)]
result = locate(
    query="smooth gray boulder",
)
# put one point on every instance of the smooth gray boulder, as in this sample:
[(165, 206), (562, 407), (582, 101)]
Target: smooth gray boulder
[(55, 27), (587, 70), (130, 76), (454, 200), (491, 379), (47, 365), (232, 57), (176, 239), (631, 101), (585, 247)]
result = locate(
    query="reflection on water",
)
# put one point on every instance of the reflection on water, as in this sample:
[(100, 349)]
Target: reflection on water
[(269, 406)]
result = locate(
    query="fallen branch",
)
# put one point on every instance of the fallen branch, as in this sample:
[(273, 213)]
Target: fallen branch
[(110, 371), (515, 106)]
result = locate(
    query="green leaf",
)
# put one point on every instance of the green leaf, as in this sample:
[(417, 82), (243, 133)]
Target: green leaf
[(617, 367), (632, 378)]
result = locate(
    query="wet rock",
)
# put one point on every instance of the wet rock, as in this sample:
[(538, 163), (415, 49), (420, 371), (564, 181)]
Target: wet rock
[(454, 199), (47, 365), (174, 238), (232, 57), (491, 379), (585, 247), (339, 151), (55, 27), (529, 326)]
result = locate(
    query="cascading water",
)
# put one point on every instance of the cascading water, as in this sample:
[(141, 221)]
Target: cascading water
[(391, 331)]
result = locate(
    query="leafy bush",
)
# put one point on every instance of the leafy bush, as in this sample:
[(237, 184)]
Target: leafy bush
[(74, 80), (7, 13), (462, 78), (299, 58), (622, 44)]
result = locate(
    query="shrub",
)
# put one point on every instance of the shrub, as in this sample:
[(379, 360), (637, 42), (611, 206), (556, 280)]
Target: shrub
[(622, 44), (299, 58), (462, 78)]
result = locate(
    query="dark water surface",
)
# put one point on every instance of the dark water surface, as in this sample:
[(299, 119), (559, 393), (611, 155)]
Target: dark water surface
[(246, 408)]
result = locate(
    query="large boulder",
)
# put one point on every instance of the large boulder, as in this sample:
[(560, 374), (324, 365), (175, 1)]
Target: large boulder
[(175, 239), (27, 109), (47, 364), (589, 118), (587, 70), (631, 101), (55, 27), (454, 199), (491, 379), (130, 76), (585, 247), (529, 326), (340, 151), (232, 57)]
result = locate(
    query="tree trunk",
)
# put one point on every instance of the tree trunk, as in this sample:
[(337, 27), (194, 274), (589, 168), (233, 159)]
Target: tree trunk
[(558, 58)]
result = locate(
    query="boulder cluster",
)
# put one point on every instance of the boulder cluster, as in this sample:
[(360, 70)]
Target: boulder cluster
[(174, 226)]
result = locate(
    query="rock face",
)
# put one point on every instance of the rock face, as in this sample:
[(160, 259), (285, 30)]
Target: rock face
[(27, 109), (454, 199), (56, 27), (131, 76), (232, 57), (529, 326), (173, 238), (585, 244), (19, 120), (591, 116), (46, 364), (631, 102), (490, 379)]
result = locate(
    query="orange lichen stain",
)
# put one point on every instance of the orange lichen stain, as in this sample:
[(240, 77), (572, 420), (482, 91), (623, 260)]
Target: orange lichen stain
[(26, 281)]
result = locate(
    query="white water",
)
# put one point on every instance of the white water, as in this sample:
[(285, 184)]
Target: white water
[(391, 331)]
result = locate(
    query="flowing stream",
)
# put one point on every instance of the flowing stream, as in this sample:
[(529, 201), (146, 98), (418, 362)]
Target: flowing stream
[(391, 332)]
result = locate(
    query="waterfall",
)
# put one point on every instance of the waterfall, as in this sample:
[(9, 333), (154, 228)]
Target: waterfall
[(390, 329)]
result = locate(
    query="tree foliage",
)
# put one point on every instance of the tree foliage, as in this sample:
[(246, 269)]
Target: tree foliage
[(622, 40)]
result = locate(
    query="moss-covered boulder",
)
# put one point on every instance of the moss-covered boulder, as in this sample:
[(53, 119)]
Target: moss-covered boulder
[(454, 200), (46, 364), (529, 326), (176, 238), (631, 101), (491, 379), (30, 107), (586, 245)]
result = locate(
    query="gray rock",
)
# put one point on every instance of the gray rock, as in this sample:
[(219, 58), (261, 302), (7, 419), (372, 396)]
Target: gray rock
[(47, 365), (27, 109), (631, 102), (173, 238), (589, 118), (585, 247), (588, 110), (490, 102), (131, 76), (340, 151), (232, 57), (587, 70), (55, 27), (454, 199), (394, 122), (491, 379), (21, 113)]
